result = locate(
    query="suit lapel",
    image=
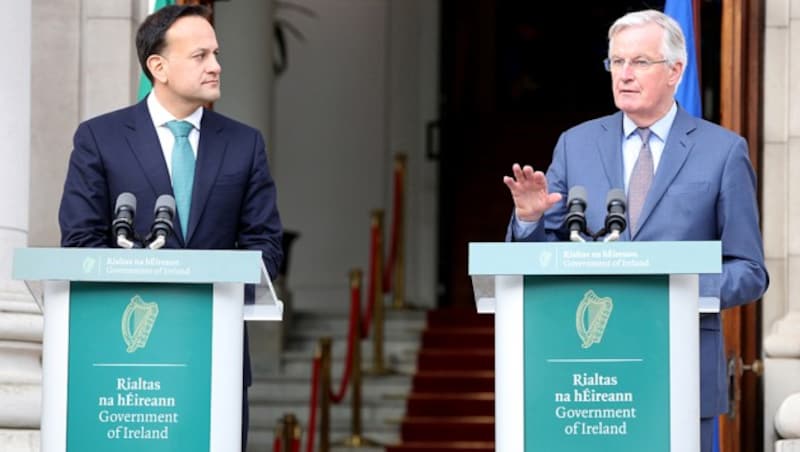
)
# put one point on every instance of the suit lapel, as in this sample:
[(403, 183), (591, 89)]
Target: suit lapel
[(609, 146), (676, 150), (144, 143), (210, 153)]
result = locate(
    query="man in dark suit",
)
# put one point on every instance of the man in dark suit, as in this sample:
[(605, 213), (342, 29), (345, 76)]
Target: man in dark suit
[(685, 178), (226, 198)]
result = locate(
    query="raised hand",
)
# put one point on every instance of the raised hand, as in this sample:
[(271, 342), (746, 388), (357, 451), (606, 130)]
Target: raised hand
[(529, 190)]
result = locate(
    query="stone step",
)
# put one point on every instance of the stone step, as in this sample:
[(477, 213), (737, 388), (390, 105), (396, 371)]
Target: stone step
[(293, 388), (401, 356), (19, 440), (397, 344), (302, 367), (287, 389), (375, 416), (262, 440), (405, 323)]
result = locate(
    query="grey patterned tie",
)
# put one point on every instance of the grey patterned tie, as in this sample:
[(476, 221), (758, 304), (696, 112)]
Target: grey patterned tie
[(641, 179)]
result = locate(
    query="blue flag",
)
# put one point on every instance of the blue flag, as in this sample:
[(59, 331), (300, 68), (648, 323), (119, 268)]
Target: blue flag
[(688, 93)]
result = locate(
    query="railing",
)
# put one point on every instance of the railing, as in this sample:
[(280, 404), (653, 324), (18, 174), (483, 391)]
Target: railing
[(382, 279)]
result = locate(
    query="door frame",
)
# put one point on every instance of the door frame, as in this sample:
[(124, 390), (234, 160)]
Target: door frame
[(741, 110)]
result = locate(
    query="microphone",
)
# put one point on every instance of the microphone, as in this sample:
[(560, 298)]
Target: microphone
[(122, 226), (615, 219), (162, 224), (576, 217)]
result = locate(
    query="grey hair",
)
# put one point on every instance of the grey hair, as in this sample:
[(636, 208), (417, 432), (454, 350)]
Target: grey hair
[(673, 44)]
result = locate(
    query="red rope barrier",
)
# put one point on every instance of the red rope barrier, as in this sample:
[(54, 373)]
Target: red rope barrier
[(397, 209), (312, 405), (373, 249), (355, 309)]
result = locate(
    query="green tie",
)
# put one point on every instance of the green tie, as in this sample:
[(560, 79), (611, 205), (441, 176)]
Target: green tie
[(182, 170)]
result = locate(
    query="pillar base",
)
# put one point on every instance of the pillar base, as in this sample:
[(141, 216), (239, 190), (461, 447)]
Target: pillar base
[(19, 440), (21, 405), (20, 384)]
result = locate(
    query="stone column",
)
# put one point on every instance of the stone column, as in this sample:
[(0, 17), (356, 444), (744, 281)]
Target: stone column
[(248, 93), (20, 319)]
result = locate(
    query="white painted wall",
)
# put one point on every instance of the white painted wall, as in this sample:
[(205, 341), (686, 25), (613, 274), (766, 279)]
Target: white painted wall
[(412, 102), (245, 40), (359, 87), (331, 142)]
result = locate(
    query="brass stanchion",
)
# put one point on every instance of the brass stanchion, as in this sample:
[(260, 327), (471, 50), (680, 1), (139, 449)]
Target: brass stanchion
[(399, 292), (356, 439), (325, 394), (378, 318), (287, 430)]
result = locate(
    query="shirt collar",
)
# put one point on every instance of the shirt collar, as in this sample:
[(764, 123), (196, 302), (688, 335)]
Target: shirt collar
[(659, 128), (161, 116)]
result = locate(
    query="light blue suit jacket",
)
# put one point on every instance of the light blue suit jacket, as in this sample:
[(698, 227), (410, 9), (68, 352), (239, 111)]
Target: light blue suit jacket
[(703, 189)]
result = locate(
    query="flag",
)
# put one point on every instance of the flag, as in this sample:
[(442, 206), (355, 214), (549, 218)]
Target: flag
[(688, 93), (144, 82)]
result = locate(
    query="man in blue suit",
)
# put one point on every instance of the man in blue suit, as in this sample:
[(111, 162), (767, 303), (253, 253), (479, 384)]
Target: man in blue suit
[(230, 202), (685, 178)]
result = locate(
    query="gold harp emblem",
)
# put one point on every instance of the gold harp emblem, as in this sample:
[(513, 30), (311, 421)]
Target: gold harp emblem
[(137, 323), (592, 317)]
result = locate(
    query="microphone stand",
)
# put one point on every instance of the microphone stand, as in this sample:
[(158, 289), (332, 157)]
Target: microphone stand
[(575, 236), (158, 243), (124, 242)]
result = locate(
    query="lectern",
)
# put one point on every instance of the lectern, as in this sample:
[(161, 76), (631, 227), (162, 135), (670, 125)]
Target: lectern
[(596, 344), (142, 349)]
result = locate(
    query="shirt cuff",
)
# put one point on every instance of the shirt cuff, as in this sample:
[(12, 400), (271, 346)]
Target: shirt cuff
[(523, 228)]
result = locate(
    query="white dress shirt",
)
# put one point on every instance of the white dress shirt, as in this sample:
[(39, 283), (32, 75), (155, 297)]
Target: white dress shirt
[(161, 117)]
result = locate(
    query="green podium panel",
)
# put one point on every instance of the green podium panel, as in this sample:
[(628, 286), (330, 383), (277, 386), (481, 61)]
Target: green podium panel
[(140, 367), (596, 344), (142, 349), (596, 353)]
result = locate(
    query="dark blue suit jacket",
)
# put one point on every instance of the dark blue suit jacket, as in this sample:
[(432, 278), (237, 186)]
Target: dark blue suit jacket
[(234, 203), (703, 189)]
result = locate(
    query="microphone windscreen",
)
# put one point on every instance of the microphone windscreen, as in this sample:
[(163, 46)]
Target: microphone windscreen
[(616, 195), (126, 200), (577, 193), (165, 201)]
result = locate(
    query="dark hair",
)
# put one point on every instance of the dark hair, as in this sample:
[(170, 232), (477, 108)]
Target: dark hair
[(150, 38)]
